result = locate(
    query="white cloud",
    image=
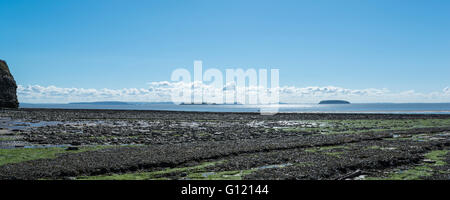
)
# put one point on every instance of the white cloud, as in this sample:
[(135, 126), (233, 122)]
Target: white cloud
[(53, 94), (160, 91), (447, 90)]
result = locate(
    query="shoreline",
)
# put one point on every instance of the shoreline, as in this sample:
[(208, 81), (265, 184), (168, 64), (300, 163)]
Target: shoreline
[(386, 113)]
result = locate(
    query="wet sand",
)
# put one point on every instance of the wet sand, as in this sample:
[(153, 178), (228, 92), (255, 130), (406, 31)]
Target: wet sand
[(112, 144)]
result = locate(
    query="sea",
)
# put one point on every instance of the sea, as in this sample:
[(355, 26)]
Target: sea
[(391, 108)]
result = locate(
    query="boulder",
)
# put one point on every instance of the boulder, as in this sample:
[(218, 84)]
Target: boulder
[(8, 88)]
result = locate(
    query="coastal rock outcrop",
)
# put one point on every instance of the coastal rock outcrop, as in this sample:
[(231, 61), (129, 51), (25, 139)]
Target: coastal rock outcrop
[(8, 88)]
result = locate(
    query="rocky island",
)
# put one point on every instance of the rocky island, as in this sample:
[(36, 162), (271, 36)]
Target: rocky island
[(334, 102), (8, 88)]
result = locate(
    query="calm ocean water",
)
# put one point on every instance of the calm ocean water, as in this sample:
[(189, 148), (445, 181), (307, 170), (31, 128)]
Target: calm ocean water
[(430, 108)]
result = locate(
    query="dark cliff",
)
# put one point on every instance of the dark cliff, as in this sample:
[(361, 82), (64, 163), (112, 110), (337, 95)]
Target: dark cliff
[(8, 88)]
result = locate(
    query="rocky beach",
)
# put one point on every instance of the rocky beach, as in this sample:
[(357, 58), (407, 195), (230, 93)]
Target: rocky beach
[(153, 145)]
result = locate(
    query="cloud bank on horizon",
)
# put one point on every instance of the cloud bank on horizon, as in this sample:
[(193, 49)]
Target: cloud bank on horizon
[(161, 92)]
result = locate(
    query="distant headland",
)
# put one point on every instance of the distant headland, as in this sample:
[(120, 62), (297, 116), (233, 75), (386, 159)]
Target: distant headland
[(109, 103), (334, 102)]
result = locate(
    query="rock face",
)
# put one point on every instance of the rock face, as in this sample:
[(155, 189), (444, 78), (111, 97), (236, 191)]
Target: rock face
[(8, 88)]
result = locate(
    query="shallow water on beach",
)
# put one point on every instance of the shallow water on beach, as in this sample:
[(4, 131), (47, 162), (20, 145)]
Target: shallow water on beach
[(7, 123), (9, 140)]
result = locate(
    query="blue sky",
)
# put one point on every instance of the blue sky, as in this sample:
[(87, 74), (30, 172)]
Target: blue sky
[(399, 45)]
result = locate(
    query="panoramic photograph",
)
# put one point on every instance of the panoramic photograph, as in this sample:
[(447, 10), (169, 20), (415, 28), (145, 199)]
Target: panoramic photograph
[(224, 90)]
